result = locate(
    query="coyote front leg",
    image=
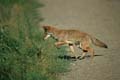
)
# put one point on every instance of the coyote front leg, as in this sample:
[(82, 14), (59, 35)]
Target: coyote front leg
[(58, 44)]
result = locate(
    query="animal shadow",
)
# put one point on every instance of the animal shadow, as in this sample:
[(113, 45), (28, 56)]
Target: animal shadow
[(88, 56), (67, 57)]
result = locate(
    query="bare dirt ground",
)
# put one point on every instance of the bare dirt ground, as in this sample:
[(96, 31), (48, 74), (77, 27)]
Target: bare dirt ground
[(100, 18)]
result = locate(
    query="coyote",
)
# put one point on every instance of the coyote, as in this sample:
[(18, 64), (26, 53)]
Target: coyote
[(73, 37)]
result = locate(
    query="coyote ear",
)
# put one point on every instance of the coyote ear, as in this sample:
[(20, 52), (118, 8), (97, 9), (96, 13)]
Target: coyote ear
[(43, 27), (46, 27)]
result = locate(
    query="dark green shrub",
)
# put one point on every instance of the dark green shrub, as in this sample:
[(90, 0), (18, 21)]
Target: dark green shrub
[(23, 53)]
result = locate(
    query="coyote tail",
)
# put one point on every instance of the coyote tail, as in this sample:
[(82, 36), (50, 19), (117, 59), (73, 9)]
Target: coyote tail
[(98, 43)]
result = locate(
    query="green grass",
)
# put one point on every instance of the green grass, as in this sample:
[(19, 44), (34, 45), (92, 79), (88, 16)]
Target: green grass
[(24, 55)]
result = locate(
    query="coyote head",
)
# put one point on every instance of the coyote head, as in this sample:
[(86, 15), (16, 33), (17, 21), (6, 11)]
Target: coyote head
[(47, 31), (46, 28)]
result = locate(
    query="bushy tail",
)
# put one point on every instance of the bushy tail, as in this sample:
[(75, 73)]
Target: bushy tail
[(98, 43)]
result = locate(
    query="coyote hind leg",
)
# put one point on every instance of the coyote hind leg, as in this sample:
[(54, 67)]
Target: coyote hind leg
[(86, 48), (91, 51)]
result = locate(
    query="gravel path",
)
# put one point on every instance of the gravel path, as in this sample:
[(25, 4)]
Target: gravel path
[(100, 18)]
